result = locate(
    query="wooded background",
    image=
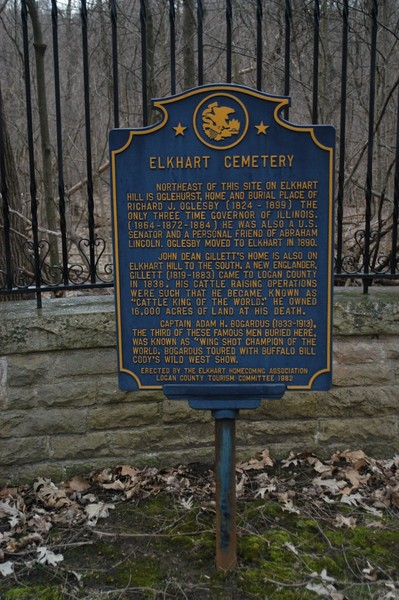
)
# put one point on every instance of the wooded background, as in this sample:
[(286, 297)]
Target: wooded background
[(337, 60)]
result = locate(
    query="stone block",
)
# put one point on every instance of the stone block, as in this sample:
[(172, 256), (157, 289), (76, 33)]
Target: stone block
[(360, 350), (19, 451), (156, 438), (109, 393), (56, 394), (375, 313), (3, 382), (80, 447), (363, 375), (171, 457), (361, 401), (392, 345), (132, 414), (26, 424), (62, 324), (178, 411), (3, 370), (28, 369), (354, 433), (91, 361), (293, 405), (276, 432)]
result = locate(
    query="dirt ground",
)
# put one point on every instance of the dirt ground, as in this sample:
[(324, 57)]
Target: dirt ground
[(306, 528)]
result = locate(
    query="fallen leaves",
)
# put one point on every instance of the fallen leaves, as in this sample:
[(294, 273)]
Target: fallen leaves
[(347, 490)]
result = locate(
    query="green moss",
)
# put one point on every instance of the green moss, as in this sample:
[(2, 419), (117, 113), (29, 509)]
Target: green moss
[(319, 563), (260, 583), (20, 593), (34, 593), (138, 572), (251, 548)]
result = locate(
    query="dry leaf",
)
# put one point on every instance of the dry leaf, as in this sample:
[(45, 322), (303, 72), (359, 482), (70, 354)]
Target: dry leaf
[(355, 478), (8, 492), (100, 510), (114, 485), (374, 524), (127, 471), (320, 467), (50, 494), (16, 545), (291, 547), (48, 557), (79, 484), (370, 573), (7, 568), (187, 503), (325, 590), (349, 522), (240, 486), (12, 511), (291, 461), (373, 511), (253, 464), (271, 487), (133, 491), (288, 504), (394, 495), (103, 476), (352, 499), (332, 485), (356, 457)]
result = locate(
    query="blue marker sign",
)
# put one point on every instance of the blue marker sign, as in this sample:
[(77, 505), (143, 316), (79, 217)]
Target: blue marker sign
[(223, 237)]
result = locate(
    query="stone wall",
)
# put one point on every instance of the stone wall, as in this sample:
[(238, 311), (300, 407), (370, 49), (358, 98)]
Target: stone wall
[(62, 412)]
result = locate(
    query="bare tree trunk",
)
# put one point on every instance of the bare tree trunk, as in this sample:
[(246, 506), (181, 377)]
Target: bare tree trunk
[(50, 207), (152, 84), (188, 49), (17, 261)]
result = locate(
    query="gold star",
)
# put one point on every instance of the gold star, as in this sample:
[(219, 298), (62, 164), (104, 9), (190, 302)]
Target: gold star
[(179, 129), (262, 128)]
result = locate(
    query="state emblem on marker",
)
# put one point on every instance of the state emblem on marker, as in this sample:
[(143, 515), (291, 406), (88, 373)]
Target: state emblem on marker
[(217, 124), (220, 121)]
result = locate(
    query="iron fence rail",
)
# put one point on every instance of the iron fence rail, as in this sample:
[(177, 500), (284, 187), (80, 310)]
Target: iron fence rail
[(372, 256)]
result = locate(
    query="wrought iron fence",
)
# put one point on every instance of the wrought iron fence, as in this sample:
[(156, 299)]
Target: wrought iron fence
[(72, 70)]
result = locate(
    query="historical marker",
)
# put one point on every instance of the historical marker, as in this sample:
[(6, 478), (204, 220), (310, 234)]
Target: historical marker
[(223, 237)]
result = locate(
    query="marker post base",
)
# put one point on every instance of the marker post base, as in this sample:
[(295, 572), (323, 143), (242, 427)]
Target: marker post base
[(225, 402)]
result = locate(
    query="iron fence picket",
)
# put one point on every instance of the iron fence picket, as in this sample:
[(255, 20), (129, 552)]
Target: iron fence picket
[(287, 52), (172, 37), (90, 242), (35, 246), (115, 70), (342, 136), (60, 156), (200, 41), (6, 276), (316, 44), (259, 42), (229, 40), (370, 147), (394, 262)]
